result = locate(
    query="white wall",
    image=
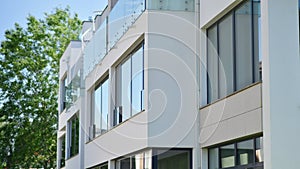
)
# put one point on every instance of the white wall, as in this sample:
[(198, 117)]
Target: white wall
[(234, 117), (281, 81)]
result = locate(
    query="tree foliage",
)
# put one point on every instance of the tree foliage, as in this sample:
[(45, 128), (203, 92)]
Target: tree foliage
[(29, 62)]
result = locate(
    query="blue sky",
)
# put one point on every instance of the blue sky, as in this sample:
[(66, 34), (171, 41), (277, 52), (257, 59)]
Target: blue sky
[(12, 11)]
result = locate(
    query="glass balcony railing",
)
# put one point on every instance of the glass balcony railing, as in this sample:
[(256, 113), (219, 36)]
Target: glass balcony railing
[(120, 19), (122, 16), (72, 91), (96, 49), (172, 5)]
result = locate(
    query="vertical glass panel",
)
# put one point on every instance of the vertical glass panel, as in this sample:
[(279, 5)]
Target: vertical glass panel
[(227, 156), (137, 81), (148, 160), (104, 107), (104, 166), (257, 40), (245, 152), (125, 89), (96, 49), (63, 152), (125, 163), (226, 57), (244, 72), (122, 16), (138, 161), (97, 110), (213, 158), (64, 90), (179, 159), (74, 136), (259, 150), (175, 5), (212, 63)]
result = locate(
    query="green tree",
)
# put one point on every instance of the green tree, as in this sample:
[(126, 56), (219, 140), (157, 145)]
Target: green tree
[(29, 62)]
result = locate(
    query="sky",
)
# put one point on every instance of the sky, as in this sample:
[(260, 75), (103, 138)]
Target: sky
[(16, 11)]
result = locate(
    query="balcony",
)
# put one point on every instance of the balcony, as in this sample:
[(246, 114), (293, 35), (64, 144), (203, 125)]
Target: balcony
[(121, 17)]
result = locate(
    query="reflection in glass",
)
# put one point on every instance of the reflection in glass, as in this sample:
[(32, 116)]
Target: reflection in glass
[(125, 89), (171, 159), (122, 16), (173, 5), (100, 108), (258, 150), (227, 156), (243, 33), (226, 56), (212, 60), (130, 85), (245, 152), (213, 158), (137, 81)]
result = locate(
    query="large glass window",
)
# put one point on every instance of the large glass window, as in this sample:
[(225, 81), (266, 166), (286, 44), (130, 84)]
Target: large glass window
[(179, 159), (137, 161), (233, 51), (130, 86), (242, 154), (102, 166), (64, 83), (73, 136), (100, 108), (63, 151)]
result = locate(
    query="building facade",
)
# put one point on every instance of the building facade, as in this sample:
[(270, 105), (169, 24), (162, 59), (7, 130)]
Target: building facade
[(185, 84)]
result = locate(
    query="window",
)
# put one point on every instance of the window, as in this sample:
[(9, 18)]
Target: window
[(130, 86), (63, 151), (64, 87), (73, 136), (70, 91), (233, 52), (103, 166), (137, 161), (242, 154), (100, 108), (177, 158)]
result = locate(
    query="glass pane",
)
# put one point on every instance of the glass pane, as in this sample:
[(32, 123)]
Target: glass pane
[(104, 166), (257, 41), (213, 158), (243, 46), (137, 161), (226, 56), (137, 81), (125, 163), (259, 150), (227, 156), (148, 160), (177, 5), (104, 107), (122, 16), (125, 89), (245, 152), (178, 159), (97, 110), (212, 64)]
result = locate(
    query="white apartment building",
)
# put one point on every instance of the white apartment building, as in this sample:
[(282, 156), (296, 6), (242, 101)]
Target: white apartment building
[(183, 84)]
